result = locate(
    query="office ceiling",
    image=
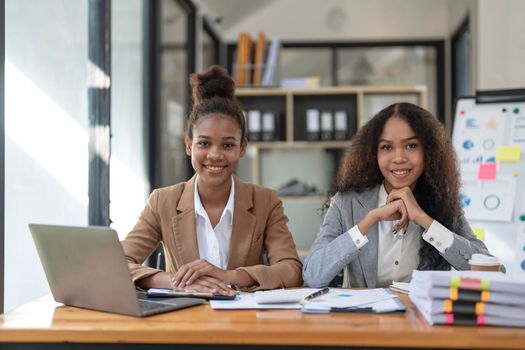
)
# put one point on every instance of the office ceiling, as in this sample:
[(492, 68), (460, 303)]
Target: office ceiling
[(227, 13)]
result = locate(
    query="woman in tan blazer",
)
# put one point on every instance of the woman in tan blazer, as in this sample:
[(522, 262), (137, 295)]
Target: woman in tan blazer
[(214, 234)]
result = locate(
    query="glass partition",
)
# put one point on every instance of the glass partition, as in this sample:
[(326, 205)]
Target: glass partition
[(172, 164), (128, 176)]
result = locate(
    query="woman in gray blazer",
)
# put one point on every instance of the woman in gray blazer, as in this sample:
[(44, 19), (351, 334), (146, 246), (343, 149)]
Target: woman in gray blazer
[(396, 206)]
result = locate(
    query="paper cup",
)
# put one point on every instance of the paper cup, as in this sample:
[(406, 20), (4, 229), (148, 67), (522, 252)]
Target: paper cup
[(481, 262)]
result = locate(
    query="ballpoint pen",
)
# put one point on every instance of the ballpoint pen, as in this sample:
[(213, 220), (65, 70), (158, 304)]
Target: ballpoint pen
[(317, 294)]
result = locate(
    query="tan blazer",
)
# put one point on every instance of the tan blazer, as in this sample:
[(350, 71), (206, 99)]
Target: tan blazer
[(259, 225)]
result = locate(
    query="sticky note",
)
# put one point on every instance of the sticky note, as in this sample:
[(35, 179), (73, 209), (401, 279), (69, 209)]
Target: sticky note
[(487, 171), (508, 153), (479, 232)]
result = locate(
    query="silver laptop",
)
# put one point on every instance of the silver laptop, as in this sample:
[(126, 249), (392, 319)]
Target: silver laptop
[(86, 267)]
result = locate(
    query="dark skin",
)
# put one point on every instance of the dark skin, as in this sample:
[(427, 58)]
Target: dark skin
[(214, 203), (215, 150), (401, 161)]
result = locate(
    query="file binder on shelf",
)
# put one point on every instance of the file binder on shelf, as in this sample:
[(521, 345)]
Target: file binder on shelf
[(308, 125), (327, 125), (243, 62), (312, 124), (268, 126), (270, 71), (260, 50), (341, 125), (254, 125)]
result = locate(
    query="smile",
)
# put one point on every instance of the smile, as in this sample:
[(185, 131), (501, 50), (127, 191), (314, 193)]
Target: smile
[(214, 167), (400, 172)]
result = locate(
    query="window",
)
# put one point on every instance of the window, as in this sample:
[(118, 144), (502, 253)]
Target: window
[(389, 66), (128, 163), (46, 132), (177, 61), (305, 62)]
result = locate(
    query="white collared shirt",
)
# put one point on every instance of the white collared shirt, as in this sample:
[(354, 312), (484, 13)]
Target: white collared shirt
[(214, 242), (398, 254)]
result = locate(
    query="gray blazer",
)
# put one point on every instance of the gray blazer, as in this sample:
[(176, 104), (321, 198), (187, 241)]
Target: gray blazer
[(334, 249)]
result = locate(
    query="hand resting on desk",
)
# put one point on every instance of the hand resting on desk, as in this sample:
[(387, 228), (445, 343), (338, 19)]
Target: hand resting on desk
[(191, 272), (206, 284), (201, 276), (192, 275), (203, 283)]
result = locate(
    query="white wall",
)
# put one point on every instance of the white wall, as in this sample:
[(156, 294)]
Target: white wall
[(501, 46), (46, 150), (498, 41), (128, 169), (348, 20), (497, 32)]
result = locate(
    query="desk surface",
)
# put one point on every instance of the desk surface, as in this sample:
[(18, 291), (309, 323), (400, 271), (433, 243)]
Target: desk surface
[(45, 321)]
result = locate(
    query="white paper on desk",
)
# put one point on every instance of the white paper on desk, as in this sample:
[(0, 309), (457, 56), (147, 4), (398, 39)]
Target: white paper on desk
[(383, 306), (343, 298), (387, 305), (246, 301), (401, 287)]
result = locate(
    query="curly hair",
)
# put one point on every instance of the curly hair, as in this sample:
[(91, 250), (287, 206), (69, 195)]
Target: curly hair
[(437, 189), (213, 92)]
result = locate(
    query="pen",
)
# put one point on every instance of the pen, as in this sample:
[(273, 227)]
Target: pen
[(317, 294)]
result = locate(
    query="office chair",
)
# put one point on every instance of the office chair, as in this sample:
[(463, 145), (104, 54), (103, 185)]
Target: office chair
[(157, 259)]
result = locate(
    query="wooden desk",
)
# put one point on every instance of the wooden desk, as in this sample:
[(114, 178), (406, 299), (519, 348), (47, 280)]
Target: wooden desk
[(44, 321)]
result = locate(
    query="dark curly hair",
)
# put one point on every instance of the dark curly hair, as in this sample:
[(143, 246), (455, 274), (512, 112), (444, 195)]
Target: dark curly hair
[(213, 92), (437, 189)]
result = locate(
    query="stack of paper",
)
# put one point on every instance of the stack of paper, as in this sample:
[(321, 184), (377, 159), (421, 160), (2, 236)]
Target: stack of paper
[(468, 298), (400, 287)]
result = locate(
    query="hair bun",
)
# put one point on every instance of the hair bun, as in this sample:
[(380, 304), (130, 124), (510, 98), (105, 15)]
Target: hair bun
[(214, 82)]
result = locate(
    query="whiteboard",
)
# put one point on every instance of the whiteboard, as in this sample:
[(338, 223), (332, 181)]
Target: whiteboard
[(489, 139)]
